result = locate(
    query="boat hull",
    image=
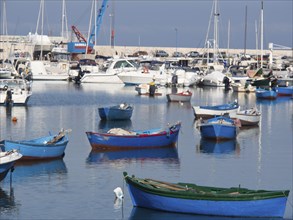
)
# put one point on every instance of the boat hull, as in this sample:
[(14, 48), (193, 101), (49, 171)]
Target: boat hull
[(191, 198), (257, 208), (115, 113), (265, 94), (4, 169), (100, 78), (179, 97), (143, 140), (137, 78), (37, 149), (247, 117), (206, 112), (218, 131), (285, 91), (7, 162)]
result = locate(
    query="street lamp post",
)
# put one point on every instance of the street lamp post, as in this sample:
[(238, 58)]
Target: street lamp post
[(176, 32)]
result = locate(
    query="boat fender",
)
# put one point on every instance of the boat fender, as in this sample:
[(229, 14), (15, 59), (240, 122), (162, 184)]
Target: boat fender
[(145, 69), (118, 193)]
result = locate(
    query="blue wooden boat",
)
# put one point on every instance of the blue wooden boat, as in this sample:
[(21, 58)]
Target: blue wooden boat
[(285, 91), (204, 200), (116, 112), (47, 147), (218, 128), (7, 161), (209, 111), (118, 138), (266, 93)]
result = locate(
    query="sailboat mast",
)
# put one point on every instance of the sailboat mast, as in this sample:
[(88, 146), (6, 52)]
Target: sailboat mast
[(228, 43), (64, 25), (261, 36), (245, 30), (42, 30), (216, 15)]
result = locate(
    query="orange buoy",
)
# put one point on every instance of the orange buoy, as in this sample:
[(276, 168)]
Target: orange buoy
[(14, 119)]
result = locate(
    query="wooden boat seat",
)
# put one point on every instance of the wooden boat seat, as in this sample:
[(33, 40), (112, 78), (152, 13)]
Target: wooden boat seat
[(160, 184), (57, 138)]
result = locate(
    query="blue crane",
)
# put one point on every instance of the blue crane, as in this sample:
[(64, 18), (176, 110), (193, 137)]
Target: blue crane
[(98, 23)]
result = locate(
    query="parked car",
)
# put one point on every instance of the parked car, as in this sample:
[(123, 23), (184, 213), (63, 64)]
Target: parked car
[(161, 53), (178, 54), (192, 54), (139, 53)]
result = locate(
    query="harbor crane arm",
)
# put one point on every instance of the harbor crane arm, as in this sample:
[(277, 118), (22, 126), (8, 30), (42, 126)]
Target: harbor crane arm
[(78, 35), (95, 30)]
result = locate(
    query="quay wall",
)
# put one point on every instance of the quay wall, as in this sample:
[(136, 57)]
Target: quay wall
[(10, 43)]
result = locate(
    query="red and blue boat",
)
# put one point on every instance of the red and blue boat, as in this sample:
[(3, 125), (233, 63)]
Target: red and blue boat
[(190, 198), (117, 138), (285, 91)]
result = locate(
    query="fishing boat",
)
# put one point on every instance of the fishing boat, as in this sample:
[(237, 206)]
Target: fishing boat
[(117, 138), (190, 198), (15, 91), (47, 147), (7, 161), (180, 96), (247, 117), (266, 93), (218, 128), (122, 111), (210, 111), (285, 91)]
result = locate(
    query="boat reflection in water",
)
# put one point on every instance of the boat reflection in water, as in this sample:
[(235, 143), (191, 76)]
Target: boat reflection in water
[(218, 147), (143, 213), (165, 154), (7, 201), (24, 169), (105, 125)]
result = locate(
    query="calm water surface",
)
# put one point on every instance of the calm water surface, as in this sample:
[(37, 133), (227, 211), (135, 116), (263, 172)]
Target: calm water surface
[(80, 186)]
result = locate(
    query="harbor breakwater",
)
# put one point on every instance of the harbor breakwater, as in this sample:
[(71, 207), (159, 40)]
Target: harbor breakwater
[(10, 43)]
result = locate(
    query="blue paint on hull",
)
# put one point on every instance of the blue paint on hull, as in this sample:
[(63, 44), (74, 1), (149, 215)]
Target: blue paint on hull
[(218, 131), (256, 208), (142, 139), (37, 149), (115, 113), (4, 169)]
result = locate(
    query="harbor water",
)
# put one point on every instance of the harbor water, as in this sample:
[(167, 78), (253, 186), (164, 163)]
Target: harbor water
[(80, 186)]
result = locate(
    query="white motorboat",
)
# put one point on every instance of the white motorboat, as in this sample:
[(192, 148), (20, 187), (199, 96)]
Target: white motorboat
[(111, 74), (247, 117), (15, 91), (39, 71)]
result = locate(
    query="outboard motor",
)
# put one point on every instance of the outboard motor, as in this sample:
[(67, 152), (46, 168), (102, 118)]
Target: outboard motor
[(226, 81)]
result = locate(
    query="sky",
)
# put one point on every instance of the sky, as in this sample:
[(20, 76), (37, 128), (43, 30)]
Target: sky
[(161, 23)]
